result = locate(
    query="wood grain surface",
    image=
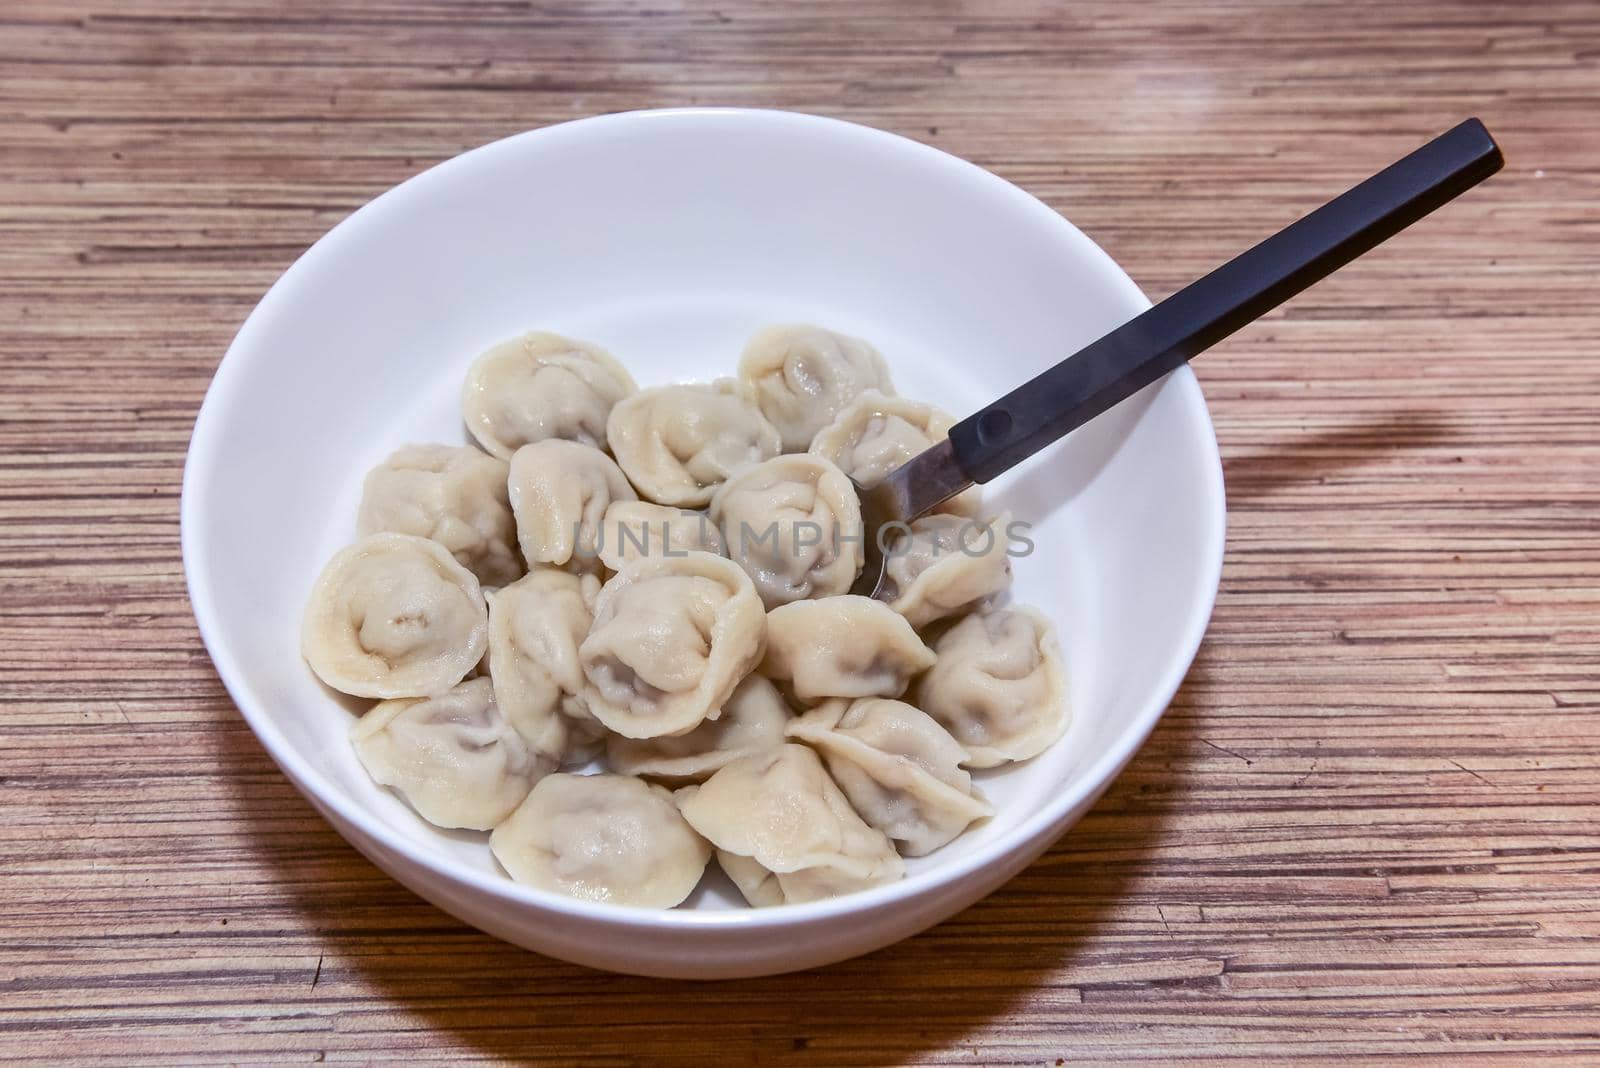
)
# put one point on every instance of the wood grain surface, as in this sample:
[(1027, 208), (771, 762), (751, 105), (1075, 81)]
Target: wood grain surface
[(1370, 823)]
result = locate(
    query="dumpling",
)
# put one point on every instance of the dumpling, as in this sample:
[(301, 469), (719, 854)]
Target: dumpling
[(535, 627), (560, 491), (602, 838), (794, 524), (802, 376), (877, 434), (679, 443), (751, 722), (454, 495), (671, 638), (946, 565), (781, 813), (849, 646), (541, 386), (586, 739), (394, 615), (901, 770), (758, 885), (635, 529), (455, 758), (999, 686)]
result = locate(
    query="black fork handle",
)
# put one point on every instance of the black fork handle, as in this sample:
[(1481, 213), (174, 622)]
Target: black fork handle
[(1110, 370)]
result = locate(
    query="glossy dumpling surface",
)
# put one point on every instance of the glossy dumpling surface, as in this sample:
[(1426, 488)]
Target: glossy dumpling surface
[(560, 491), (752, 721), (541, 386), (455, 758), (999, 686), (901, 770), (671, 638), (793, 523), (947, 564), (802, 376), (633, 529), (848, 646), (781, 811), (602, 838), (878, 433), (454, 495), (678, 443), (535, 627), (394, 615)]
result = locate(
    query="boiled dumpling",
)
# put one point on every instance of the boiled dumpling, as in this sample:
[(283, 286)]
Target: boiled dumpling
[(541, 386), (946, 565), (900, 769), (632, 530), (394, 615), (999, 686), (781, 813), (802, 376), (758, 885), (602, 838), (454, 495), (672, 637), (455, 757), (560, 491), (535, 627), (794, 524), (877, 434), (679, 443), (751, 722), (849, 646)]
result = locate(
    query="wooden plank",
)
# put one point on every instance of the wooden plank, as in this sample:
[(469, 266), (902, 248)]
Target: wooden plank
[(1367, 827)]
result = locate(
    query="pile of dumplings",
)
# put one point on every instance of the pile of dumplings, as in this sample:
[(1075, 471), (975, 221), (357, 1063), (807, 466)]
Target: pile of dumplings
[(585, 590)]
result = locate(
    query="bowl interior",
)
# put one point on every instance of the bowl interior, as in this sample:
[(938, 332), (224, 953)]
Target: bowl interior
[(669, 238)]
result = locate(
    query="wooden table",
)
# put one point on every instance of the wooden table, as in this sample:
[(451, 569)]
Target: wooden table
[(1370, 823)]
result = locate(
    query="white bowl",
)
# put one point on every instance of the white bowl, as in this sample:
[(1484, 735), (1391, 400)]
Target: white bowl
[(668, 237)]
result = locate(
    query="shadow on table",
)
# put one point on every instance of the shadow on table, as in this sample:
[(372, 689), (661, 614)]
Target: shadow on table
[(1308, 459), (1018, 947)]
